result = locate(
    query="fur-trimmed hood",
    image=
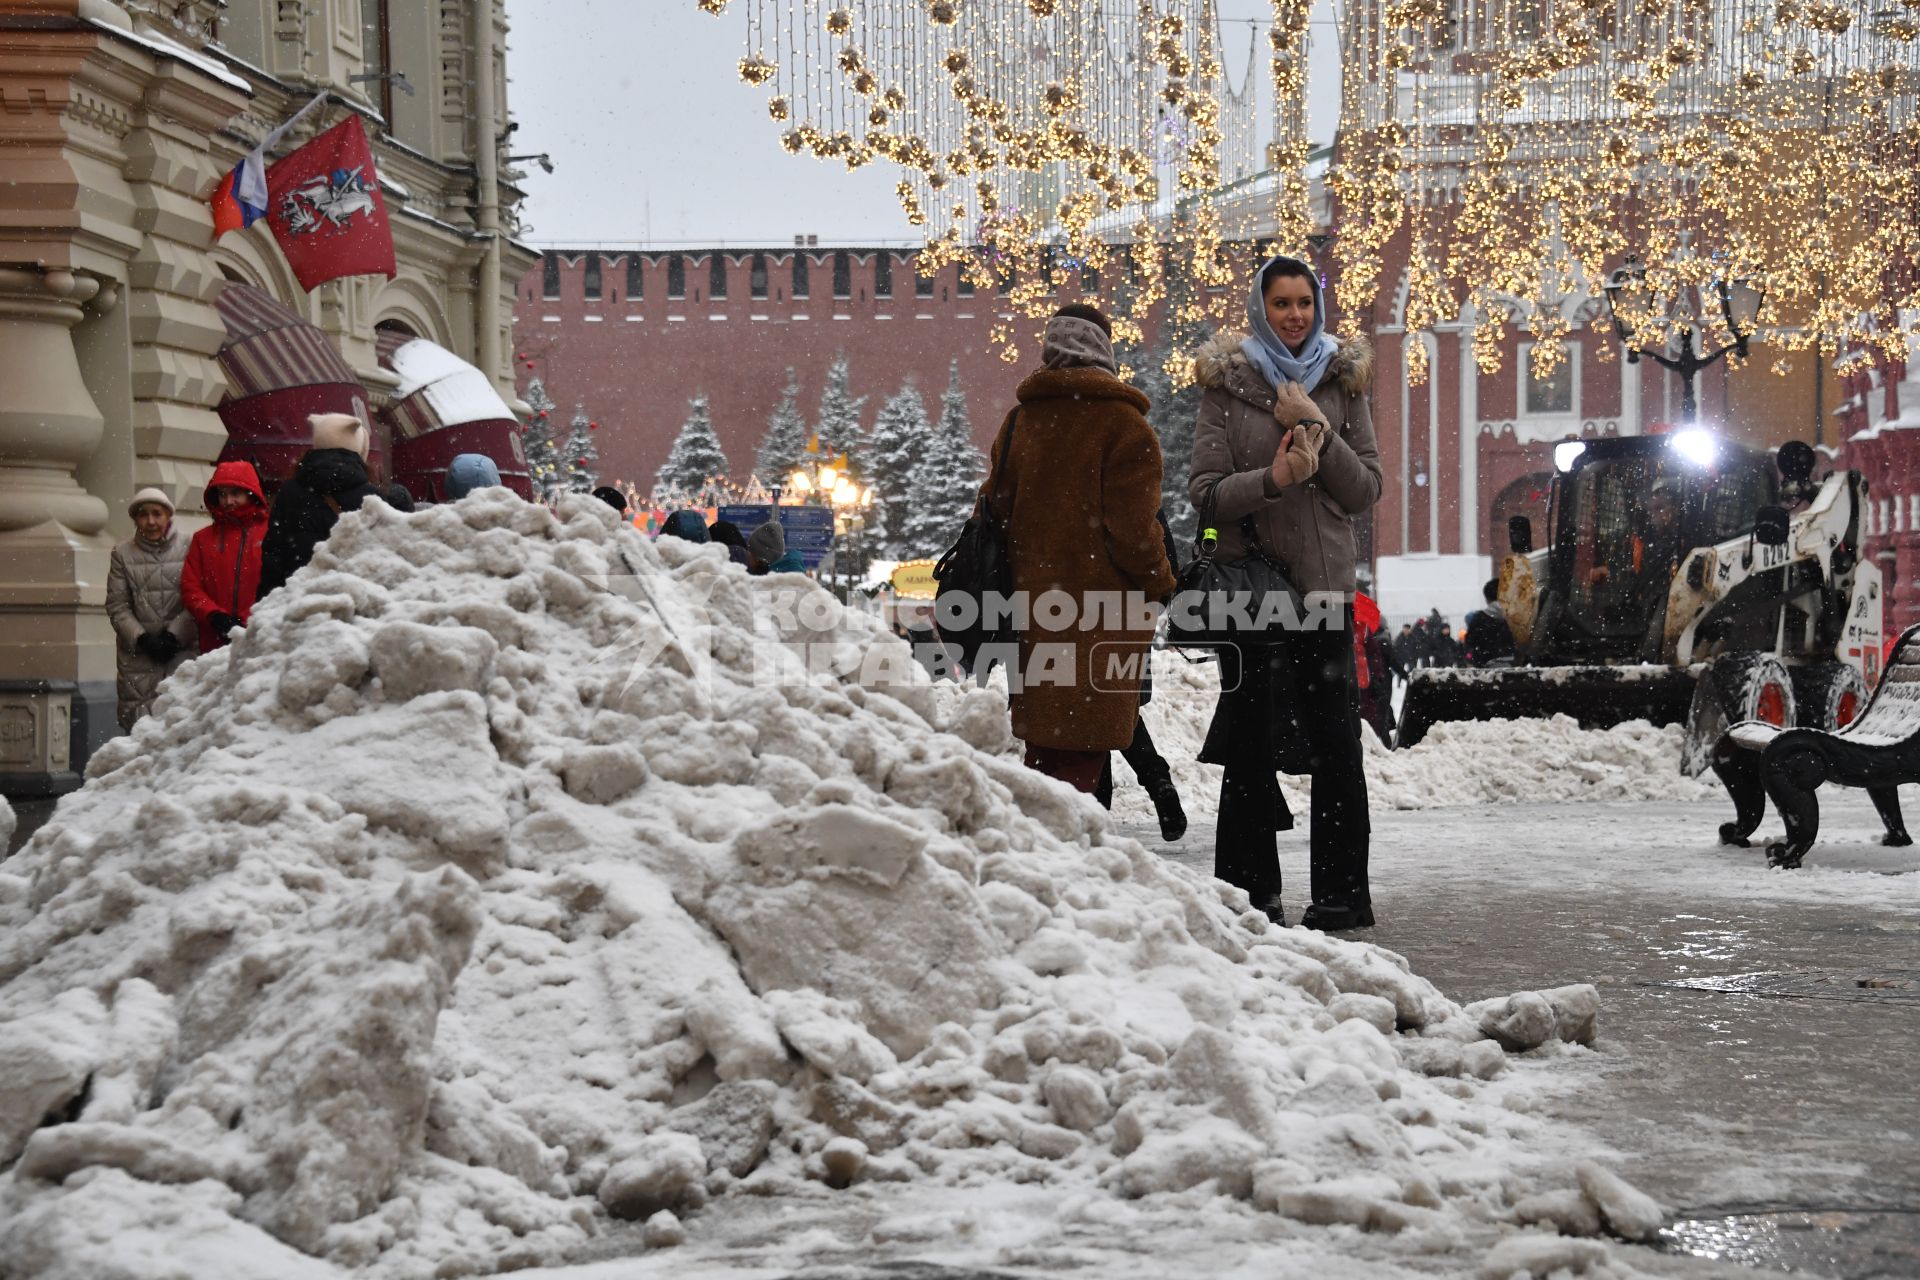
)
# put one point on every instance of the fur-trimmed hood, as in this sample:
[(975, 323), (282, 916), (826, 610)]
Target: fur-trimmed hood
[(1220, 355)]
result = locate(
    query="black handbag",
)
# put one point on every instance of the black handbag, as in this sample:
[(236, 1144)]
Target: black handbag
[(1250, 600), (972, 601)]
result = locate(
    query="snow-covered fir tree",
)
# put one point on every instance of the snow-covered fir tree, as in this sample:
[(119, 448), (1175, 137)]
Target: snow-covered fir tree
[(696, 455), (945, 479), (786, 440), (543, 452), (579, 461), (901, 433), (838, 426)]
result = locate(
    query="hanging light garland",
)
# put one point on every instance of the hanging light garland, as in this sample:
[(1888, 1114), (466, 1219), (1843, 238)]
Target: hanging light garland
[(1519, 151), (1036, 139), (1524, 151)]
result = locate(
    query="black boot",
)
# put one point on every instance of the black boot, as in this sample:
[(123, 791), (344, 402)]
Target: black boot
[(1166, 803), (1334, 917)]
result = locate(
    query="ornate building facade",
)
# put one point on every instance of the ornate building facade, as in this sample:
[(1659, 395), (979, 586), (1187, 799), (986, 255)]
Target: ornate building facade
[(119, 118)]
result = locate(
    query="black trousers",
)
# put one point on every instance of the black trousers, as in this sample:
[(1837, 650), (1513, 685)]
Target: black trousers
[(1312, 679), (1148, 765)]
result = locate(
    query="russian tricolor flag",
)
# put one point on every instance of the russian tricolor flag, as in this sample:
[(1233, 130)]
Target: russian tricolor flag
[(241, 198)]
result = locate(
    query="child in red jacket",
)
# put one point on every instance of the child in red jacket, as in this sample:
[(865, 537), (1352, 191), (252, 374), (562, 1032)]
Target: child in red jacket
[(222, 573)]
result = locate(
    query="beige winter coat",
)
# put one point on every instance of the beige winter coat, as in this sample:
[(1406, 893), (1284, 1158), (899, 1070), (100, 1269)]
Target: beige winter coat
[(1306, 527), (143, 594)]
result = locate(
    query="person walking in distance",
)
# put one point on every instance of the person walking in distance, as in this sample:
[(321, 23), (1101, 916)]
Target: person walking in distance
[(1284, 456), (1489, 638), (222, 575), (152, 627)]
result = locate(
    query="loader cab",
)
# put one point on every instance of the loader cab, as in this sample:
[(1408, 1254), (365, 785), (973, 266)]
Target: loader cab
[(1626, 513)]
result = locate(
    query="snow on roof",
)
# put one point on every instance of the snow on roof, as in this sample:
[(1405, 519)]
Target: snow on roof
[(174, 49), (511, 872), (457, 390)]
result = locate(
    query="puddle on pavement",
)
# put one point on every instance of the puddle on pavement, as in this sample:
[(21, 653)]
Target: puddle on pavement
[(1881, 986), (1839, 1244)]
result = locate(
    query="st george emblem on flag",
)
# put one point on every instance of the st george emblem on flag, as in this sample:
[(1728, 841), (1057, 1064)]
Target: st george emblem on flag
[(325, 208)]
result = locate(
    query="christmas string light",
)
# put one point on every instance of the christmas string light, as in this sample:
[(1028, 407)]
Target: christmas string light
[(1037, 140), (1517, 152), (1534, 148)]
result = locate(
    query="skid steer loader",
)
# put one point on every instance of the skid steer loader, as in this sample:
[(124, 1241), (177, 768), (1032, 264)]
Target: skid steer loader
[(1684, 578)]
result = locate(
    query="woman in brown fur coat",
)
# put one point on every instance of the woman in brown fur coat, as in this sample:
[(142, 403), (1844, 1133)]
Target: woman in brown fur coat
[(1076, 478), (1284, 454)]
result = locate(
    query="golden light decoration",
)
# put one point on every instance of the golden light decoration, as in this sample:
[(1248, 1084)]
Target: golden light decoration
[(1099, 141), (1511, 152), (1522, 153)]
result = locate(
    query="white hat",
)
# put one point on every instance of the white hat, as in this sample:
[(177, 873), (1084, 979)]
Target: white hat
[(339, 431), (147, 495)]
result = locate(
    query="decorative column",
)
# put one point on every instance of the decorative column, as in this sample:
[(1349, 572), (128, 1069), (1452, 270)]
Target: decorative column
[(53, 542), (107, 381)]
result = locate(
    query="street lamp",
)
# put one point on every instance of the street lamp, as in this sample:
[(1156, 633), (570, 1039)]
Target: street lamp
[(1627, 303), (836, 489)]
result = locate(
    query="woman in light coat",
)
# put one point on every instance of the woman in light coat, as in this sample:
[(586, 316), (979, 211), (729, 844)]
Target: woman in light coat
[(155, 633)]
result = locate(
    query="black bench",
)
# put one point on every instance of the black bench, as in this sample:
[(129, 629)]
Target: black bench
[(1877, 752)]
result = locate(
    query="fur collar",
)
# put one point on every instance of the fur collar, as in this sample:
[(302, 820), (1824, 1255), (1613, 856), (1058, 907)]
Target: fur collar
[(1220, 356), (1084, 383)]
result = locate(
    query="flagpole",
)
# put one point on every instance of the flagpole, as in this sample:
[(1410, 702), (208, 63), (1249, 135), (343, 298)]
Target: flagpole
[(273, 139)]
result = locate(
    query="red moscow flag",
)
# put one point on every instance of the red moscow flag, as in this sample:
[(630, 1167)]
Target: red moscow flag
[(324, 206)]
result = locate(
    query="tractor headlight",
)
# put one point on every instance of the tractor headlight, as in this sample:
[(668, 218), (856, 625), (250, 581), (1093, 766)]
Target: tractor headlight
[(1697, 447), (1566, 453)]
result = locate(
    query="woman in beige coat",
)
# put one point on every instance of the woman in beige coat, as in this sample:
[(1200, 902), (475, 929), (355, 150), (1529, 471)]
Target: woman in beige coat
[(1284, 455), (154, 630)]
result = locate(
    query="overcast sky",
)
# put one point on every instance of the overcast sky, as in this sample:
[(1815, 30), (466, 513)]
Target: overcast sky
[(655, 139)]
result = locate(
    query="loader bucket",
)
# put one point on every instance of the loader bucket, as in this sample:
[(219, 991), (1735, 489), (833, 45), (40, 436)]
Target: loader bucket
[(1598, 697)]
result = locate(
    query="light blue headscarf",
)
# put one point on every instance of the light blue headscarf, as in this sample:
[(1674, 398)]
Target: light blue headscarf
[(1270, 355)]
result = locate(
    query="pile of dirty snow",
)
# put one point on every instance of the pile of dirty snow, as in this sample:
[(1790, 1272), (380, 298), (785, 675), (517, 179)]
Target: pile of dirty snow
[(512, 874), (1470, 762)]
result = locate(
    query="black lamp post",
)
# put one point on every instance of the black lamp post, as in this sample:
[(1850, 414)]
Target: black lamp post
[(1739, 303)]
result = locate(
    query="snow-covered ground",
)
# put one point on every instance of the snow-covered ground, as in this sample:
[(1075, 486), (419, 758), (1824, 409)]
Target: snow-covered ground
[(1473, 763), (517, 891)]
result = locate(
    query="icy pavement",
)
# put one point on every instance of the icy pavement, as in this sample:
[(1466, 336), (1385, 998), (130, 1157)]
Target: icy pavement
[(1718, 1103)]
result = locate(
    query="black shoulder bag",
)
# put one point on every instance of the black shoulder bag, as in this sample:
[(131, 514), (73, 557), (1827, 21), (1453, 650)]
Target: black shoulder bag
[(1226, 602), (975, 577)]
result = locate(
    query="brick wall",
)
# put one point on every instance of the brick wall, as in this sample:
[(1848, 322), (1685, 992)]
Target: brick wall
[(635, 361)]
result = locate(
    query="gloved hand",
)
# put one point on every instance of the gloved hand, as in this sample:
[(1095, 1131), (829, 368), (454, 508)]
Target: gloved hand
[(222, 623), (1298, 456), (158, 646), (1292, 405)]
